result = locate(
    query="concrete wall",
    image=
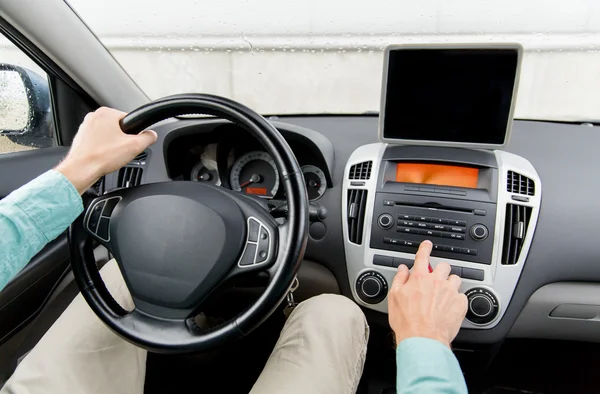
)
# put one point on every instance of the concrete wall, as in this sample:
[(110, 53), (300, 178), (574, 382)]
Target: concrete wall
[(325, 56)]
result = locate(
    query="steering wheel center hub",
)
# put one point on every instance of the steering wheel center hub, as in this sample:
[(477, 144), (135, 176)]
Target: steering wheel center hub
[(175, 241)]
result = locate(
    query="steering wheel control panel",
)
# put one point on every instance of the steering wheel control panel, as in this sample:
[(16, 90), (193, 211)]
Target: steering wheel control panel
[(478, 208)]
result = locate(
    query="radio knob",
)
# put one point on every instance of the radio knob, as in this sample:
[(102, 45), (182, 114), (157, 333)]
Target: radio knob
[(483, 306), (479, 232), (385, 221), (371, 287)]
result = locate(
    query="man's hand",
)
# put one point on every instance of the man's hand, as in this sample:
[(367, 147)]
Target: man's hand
[(100, 147), (424, 304)]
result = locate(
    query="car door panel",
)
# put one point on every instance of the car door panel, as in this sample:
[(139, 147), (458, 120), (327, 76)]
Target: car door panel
[(23, 297), (16, 169), (25, 294)]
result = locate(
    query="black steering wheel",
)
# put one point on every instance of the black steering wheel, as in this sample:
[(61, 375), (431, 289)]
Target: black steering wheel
[(176, 242)]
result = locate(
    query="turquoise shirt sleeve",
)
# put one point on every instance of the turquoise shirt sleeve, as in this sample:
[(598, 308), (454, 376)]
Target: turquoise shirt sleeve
[(32, 216), (427, 366)]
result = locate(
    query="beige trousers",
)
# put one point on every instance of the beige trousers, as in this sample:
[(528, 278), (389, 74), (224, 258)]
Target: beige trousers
[(321, 349)]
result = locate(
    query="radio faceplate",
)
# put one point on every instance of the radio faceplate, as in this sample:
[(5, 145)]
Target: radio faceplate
[(459, 229)]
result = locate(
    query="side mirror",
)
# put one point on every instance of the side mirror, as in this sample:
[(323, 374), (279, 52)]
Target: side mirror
[(24, 102)]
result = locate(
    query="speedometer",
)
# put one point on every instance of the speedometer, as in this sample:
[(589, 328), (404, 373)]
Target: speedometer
[(255, 173), (316, 183)]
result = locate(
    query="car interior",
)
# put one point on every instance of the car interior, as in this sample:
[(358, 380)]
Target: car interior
[(335, 201)]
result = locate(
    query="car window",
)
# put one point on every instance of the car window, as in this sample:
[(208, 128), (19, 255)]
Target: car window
[(26, 120)]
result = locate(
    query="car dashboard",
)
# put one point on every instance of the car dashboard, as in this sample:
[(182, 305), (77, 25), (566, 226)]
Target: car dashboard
[(534, 194)]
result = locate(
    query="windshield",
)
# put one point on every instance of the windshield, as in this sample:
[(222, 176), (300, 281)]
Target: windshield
[(326, 56)]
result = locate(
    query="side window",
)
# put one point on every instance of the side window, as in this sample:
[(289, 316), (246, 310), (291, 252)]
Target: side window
[(26, 120)]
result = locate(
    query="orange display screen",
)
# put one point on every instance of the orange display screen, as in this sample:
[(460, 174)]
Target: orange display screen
[(437, 174), (261, 191)]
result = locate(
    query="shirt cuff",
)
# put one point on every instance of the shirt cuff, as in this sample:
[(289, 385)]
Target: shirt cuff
[(50, 201), (426, 365)]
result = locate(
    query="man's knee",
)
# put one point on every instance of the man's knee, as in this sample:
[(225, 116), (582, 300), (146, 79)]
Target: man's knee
[(333, 311)]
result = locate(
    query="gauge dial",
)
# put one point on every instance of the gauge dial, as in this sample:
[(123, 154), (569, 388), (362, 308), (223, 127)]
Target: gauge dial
[(255, 173), (316, 183), (200, 173)]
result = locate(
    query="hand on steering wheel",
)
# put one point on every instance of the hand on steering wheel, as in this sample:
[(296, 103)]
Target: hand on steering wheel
[(176, 242)]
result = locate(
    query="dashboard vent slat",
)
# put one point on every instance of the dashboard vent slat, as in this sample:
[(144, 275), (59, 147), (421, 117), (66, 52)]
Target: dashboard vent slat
[(519, 184), (361, 171), (515, 230), (141, 157), (130, 177), (357, 202)]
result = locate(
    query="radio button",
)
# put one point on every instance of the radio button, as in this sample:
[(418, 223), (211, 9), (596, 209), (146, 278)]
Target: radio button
[(455, 270), (457, 229), (437, 220), (406, 217), (388, 203), (471, 251), (472, 273), (396, 241), (441, 227), (439, 248), (387, 240), (457, 222), (406, 223), (452, 249), (446, 235), (422, 225), (386, 261), (433, 233), (460, 237), (422, 218), (412, 244), (407, 230)]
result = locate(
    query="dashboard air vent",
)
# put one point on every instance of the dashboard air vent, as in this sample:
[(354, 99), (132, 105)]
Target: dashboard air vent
[(515, 229), (517, 183), (361, 170), (357, 202), (141, 157), (130, 177)]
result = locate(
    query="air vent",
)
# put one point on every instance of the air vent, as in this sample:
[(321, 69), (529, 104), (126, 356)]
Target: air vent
[(361, 170), (357, 202), (130, 176), (515, 229), (517, 183), (141, 157)]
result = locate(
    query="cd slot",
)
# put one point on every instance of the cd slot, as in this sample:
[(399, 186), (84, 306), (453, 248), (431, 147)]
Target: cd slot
[(434, 206)]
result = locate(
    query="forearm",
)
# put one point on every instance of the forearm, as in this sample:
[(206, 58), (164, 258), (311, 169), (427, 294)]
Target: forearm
[(32, 216), (427, 366)]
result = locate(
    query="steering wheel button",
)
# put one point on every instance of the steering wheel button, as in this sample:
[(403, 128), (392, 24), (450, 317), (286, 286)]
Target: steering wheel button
[(103, 229), (253, 228), (111, 203), (263, 245), (248, 257), (95, 217), (261, 256)]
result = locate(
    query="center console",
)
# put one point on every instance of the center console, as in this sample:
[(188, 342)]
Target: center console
[(484, 233), (439, 174)]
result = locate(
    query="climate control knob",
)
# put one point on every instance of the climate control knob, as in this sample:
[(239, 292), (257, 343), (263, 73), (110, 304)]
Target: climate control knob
[(371, 287), (479, 232), (483, 306), (385, 221)]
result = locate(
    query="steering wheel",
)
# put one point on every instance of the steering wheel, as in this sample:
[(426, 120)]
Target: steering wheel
[(176, 242)]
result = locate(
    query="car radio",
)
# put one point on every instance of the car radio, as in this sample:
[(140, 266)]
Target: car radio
[(458, 229)]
